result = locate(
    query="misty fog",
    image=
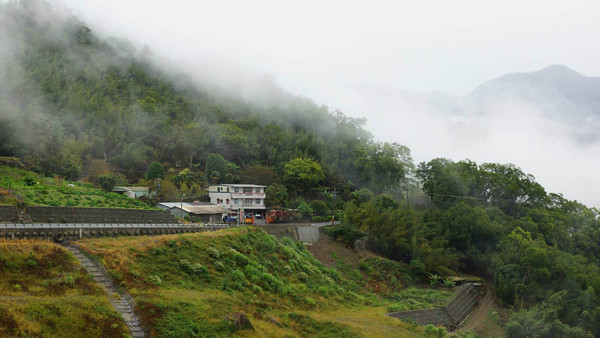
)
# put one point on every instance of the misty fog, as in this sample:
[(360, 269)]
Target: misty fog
[(390, 65)]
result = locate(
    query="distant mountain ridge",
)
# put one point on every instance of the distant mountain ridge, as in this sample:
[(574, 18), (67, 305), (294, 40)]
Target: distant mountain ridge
[(555, 84), (555, 93)]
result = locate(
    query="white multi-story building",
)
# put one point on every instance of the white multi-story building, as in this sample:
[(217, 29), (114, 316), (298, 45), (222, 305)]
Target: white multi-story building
[(249, 197)]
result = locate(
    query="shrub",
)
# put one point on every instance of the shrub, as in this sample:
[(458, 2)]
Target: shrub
[(29, 181), (267, 244), (239, 258), (237, 277), (213, 252), (287, 252), (319, 207), (220, 266), (448, 282), (287, 241), (194, 268), (435, 331), (310, 302), (434, 279), (154, 280), (334, 273), (270, 282), (69, 280), (305, 209), (303, 277), (252, 273)]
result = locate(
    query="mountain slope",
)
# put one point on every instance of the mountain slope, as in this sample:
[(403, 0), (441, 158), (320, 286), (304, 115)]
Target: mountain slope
[(69, 97), (562, 92)]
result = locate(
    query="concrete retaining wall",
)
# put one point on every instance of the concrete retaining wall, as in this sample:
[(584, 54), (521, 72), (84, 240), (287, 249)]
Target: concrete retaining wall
[(9, 213), (67, 232), (451, 315), (97, 215), (436, 316), (460, 306)]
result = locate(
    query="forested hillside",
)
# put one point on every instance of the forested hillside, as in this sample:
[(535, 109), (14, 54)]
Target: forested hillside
[(69, 97), (77, 105), (540, 251)]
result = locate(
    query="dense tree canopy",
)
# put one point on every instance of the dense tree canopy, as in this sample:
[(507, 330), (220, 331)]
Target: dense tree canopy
[(70, 100)]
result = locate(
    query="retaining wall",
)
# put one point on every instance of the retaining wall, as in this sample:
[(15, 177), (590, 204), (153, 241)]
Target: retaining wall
[(451, 315), (66, 232), (97, 215), (436, 316), (460, 306), (9, 213)]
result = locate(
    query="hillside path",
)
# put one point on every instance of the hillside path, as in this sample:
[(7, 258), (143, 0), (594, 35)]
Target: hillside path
[(118, 301)]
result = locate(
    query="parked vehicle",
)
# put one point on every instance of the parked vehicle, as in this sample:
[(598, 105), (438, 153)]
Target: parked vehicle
[(230, 219), (258, 216), (249, 219), (278, 215)]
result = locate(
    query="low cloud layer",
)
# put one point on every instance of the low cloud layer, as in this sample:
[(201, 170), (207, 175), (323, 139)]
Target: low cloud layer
[(357, 58), (508, 132)]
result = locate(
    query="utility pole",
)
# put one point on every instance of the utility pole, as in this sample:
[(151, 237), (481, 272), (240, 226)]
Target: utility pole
[(181, 206), (157, 188)]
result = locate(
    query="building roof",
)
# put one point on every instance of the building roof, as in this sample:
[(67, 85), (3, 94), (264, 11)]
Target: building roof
[(205, 209), (198, 209), (170, 205), (139, 189), (239, 185)]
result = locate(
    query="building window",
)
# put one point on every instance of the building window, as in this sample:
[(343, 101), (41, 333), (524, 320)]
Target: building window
[(248, 190), (257, 202), (236, 189), (235, 201), (227, 201)]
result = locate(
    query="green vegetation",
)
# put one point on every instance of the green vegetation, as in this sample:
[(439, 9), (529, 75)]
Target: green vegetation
[(184, 284), (76, 105), (72, 98), (540, 250), (44, 292), (22, 187)]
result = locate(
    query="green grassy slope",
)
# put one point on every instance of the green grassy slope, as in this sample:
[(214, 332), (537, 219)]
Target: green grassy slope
[(45, 293), (186, 285), (46, 191)]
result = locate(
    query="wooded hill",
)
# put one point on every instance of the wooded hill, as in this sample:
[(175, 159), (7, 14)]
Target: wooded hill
[(69, 97), (71, 101)]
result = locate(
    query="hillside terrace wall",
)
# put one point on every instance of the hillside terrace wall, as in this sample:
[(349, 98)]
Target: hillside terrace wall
[(9, 213), (451, 315), (97, 215), (63, 233)]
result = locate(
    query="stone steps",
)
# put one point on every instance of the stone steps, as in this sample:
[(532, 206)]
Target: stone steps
[(120, 303)]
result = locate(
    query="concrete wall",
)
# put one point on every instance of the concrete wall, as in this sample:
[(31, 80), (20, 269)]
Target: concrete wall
[(9, 213), (451, 315), (66, 232), (97, 215)]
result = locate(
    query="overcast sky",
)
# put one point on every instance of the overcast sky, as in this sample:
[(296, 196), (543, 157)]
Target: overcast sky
[(336, 51)]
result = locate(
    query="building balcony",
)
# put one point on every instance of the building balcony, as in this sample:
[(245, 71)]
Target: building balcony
[(248, 195)]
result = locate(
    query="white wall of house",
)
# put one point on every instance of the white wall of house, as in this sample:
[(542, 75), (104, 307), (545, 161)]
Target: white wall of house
[(238, 196)]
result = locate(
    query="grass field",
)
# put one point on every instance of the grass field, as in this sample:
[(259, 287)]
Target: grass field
[(22, 187), (187, 284), (45, 293)]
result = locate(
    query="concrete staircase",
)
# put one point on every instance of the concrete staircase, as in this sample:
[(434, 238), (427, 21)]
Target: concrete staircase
[(121, 303), (451, 315)]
